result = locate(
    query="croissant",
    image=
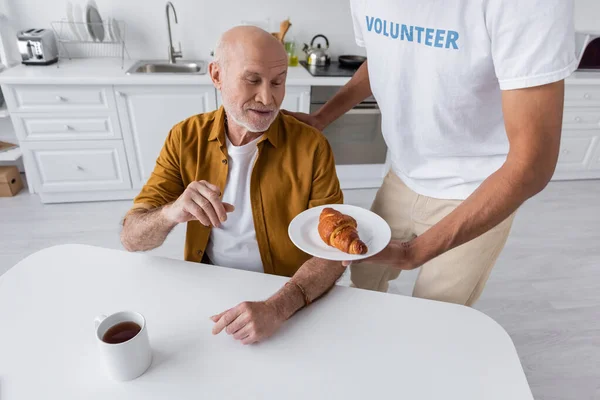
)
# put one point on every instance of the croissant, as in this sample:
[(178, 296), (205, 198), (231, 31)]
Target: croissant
[(339, 230)]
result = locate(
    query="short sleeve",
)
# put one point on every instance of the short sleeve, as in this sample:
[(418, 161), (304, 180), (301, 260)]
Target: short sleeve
[(165, 184), (325, 186), (532, 41), (357, 8)]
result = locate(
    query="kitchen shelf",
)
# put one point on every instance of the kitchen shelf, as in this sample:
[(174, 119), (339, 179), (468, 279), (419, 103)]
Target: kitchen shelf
[(11, 155)]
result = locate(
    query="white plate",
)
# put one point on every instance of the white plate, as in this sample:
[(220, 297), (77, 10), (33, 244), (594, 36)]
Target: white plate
[(115, 31), (372, 229), (71, 20), (95, 25), (79, 22)]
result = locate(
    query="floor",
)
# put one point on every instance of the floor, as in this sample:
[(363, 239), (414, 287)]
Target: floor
[(545, 289)]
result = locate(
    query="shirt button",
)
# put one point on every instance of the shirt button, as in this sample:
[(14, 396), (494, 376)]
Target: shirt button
[(224, 161)]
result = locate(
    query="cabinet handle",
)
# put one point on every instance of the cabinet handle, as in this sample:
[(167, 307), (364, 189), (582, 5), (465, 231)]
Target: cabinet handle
[(565, 151), (577, 119), (60, 98), (80, 168), (68, 127), (587, 96), (120, 94)]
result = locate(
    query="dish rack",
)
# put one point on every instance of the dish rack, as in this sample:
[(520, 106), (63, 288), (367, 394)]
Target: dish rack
[(76, 40)]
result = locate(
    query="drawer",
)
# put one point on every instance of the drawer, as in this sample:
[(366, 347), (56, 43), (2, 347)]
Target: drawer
[(78, 166), (39, 98), (576, 151), (68, 127), (581, 118), (582, 95)]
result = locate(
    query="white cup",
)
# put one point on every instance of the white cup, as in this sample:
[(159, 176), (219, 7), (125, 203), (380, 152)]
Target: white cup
[(127, 360)]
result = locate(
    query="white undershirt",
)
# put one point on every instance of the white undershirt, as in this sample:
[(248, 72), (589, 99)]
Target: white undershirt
[(234, 245)]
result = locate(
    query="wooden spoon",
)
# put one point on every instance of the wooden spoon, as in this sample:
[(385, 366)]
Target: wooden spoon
[(284, 27)]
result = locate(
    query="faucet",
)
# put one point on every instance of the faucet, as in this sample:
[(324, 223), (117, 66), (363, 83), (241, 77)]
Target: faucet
[(173, 54)]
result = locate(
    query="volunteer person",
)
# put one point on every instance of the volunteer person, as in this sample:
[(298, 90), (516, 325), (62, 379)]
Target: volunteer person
[(471, 95)]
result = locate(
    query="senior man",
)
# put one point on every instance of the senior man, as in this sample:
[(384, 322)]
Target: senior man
[(237, 177)]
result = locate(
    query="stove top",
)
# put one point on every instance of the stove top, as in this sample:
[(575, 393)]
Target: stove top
[(333, 69)]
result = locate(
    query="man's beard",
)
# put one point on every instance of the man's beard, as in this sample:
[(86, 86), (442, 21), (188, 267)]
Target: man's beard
[(240, 117)]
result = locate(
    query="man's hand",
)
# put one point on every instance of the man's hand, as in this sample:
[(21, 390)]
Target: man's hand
[(249, 322), (200, 200), (309, 119), (397, 254)]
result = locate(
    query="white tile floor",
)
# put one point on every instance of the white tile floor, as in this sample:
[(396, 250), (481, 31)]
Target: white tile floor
[(545, 289)]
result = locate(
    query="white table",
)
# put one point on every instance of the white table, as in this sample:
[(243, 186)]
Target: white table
[(352, 344)]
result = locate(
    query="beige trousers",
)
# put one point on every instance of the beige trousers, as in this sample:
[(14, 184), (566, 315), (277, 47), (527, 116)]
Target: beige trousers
[(457, 276)]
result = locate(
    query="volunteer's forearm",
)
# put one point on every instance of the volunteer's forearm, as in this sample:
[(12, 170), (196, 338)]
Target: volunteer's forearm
[(316, 276), (495, 200), (533, 119), (355, 91), (145, 230)]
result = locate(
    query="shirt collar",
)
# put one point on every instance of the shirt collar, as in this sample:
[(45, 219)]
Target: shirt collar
[(218, 129)]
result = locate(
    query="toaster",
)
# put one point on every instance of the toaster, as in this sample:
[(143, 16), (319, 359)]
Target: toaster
[(37, 47)]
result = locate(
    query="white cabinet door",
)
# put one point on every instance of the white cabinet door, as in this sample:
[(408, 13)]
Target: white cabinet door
[(582, 95), (73, 126), (578, 155), (297, 99), (77, 166), (147, 114), (41, 98)]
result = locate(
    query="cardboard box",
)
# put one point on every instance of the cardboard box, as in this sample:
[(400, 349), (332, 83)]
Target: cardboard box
[(10, 181), (4, 146)]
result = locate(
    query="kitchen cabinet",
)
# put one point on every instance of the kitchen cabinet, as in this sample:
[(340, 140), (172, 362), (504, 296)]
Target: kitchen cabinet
[(59, 126), (579, 156), (59, 98), (147, 114), (71, 141), (78, 166)]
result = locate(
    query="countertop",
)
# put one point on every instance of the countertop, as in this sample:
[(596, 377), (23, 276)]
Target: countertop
[(109, 72)]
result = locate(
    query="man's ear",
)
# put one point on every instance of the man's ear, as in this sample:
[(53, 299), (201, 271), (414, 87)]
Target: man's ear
[(215, 72)]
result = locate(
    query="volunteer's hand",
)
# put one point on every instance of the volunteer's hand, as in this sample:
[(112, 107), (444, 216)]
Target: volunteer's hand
[(309, 119), (200, 200), (249, 322), (397, 254)]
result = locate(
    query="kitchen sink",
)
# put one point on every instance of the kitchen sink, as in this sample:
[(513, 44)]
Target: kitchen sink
[(164, 67)]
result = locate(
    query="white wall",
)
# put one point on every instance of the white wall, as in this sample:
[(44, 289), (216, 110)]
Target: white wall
[(202, 21)]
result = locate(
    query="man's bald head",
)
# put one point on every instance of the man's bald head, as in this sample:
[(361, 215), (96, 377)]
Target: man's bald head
[(250, 69), (250, 43)]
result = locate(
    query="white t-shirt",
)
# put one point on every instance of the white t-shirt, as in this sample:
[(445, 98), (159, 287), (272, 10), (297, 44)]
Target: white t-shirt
[(234, 245), (437, 70)]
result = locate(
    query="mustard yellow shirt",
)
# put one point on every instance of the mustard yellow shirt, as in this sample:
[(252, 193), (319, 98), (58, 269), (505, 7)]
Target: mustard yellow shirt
[(294, 171)]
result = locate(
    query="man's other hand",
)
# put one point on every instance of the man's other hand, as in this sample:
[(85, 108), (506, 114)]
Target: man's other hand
[(249, 322), (201, 200)]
